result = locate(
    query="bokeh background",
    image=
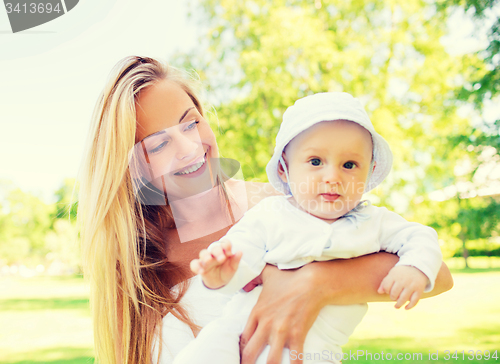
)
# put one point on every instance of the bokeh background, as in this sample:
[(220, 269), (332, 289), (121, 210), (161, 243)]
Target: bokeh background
[(427, 71)]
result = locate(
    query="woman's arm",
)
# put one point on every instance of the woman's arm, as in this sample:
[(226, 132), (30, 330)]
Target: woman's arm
[(358, 279), (291, 300)]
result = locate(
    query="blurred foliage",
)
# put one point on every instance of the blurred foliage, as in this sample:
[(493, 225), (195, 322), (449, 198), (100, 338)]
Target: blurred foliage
[(33, 232), (262, 56), (467, 227), (258, 57), (479, 218), (487, 84), (67, 200)]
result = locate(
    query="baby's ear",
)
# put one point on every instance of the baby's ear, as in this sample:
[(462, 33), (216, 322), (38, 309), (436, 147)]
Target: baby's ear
[(281, 170)]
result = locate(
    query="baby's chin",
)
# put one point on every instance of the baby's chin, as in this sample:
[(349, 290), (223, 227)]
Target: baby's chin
[(328, 216), (330, 212)]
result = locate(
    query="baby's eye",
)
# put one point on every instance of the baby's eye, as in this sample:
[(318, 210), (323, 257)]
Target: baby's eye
[(349, 165), (315, 161)]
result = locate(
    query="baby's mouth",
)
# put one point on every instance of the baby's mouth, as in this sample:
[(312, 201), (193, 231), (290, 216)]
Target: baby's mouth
[(330, 196), (192, 168)]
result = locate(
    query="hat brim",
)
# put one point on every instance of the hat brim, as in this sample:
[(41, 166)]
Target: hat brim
[(382, 156)]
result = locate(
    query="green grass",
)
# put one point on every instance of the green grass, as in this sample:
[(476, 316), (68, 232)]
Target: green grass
[(465, 318), (47, 320), (476, 265), (59, 355), (34, 304)]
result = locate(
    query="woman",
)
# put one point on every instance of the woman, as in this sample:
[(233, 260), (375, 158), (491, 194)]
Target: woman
[(153, 194)]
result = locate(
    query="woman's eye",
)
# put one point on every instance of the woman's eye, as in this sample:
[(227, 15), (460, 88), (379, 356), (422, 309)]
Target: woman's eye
[(192, 125), (349, 165), (315, 162), (158, 148)]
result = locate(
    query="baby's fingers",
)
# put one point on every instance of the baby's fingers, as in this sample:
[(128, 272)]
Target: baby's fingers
[(207, 261), (235, 261), (219, 253), (195, 266), (225, 244), (402, 298), (398, 293), (385, 285), (415, 297)]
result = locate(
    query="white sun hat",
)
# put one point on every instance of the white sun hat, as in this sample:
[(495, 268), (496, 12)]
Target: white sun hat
[(327, 106)]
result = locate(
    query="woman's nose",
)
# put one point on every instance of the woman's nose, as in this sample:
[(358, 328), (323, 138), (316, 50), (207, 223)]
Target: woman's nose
[(186, 147)]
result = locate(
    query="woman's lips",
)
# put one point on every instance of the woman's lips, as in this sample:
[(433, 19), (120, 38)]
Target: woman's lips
[(194, 169), (330, 196)]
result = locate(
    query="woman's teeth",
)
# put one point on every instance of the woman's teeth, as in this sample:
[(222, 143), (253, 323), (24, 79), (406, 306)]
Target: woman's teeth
[(192, 168)]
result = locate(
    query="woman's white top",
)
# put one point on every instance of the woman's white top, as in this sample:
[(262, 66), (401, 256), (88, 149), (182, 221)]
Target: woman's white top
[(203, 306)]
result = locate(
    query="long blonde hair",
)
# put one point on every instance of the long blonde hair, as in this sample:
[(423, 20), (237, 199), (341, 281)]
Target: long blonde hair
[(124, 251)]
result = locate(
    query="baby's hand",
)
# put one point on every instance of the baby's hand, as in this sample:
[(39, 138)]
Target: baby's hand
[(404, 283), (216, 266)]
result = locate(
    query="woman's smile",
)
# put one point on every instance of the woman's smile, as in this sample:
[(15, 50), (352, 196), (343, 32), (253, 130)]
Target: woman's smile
[(194, 169)]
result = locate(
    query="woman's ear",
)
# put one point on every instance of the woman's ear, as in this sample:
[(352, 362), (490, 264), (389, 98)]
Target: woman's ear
[(281, 170)]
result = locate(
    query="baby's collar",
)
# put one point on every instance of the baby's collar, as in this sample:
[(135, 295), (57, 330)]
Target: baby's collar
[(356, 214)]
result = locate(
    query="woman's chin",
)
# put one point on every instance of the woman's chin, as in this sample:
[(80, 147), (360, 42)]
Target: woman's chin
[(182, 187)]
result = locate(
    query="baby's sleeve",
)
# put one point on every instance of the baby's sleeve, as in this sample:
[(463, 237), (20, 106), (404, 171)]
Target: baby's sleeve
[(248, 236), (416, 244)]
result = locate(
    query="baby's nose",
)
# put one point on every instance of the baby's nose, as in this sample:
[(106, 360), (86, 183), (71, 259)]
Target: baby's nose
[(332, 175)]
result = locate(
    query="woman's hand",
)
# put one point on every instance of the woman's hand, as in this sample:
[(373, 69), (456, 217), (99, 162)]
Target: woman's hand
[(291, 300), (283, 314)]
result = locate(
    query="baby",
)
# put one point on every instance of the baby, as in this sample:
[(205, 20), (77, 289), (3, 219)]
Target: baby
[(327, 155)]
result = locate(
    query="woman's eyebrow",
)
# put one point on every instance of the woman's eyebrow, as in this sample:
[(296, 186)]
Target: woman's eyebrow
[(185, 113), (163, 131)]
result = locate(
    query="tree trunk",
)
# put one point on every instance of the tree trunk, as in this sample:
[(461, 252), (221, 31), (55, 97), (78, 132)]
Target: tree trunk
[(465, 251)]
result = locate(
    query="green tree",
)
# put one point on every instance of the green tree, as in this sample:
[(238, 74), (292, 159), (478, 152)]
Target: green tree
[(12, 248), (63, 246), (485, 83), (479, 218), (67, 200), (32, 231), (262, 56), (25, 221), (466, 224), (62, 239)]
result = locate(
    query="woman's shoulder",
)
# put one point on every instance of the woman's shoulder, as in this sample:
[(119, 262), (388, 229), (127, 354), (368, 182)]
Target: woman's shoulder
[(253, 192), (257, 191)]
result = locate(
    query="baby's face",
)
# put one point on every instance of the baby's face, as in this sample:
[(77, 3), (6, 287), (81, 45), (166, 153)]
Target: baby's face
[(328, 165)]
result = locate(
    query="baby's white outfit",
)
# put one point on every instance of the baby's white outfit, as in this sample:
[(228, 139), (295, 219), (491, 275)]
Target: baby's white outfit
[(278, 233)]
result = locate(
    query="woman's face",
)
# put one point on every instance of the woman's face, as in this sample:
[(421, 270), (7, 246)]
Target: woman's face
[(174, 143)]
